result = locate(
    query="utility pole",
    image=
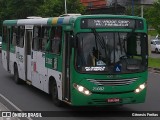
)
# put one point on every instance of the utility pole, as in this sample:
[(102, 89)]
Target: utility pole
[(142, 8), (65, 4)]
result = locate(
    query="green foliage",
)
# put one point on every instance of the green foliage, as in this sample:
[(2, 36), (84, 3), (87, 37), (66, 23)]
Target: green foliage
[(153, 16), (137, 10), (152, 32), (154, 62), (20, 9), (151, 13), (56, 8), (16, 9)]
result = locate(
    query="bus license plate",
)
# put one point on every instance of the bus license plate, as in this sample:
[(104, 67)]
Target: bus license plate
[(113, 100)]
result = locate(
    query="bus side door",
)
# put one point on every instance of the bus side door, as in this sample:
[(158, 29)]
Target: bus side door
[(28, 44), (38, 71), (20, 52)]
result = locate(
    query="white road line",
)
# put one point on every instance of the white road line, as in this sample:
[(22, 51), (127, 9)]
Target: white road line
[(13, 105)]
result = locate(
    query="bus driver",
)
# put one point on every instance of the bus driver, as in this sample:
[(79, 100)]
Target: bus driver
[(115, 57)]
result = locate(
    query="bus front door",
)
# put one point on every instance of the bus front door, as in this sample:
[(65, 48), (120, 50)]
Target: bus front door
[(28, 42), (66, 67)]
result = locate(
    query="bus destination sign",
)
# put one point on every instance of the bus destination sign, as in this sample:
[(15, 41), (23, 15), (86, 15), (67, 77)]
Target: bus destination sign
[(107, 23)]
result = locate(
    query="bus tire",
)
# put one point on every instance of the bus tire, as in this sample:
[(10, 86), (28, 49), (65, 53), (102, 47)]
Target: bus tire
[(16, 75), (54, 93)]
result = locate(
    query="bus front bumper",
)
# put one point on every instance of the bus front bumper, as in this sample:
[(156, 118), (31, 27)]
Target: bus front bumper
[(98, 99)]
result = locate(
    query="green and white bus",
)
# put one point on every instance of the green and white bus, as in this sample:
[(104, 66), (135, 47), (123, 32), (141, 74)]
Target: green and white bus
[(83, 60)]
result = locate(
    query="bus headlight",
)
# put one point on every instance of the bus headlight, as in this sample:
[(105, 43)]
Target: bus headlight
[(81, 89), (140, 88)]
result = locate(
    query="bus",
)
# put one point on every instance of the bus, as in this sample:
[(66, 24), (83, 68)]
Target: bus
[(81, 60)]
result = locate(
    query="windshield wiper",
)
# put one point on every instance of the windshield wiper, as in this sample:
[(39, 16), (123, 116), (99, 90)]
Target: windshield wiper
[(99, 39)]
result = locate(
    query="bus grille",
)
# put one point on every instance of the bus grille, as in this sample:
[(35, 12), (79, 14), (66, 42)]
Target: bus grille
[(113, 82)]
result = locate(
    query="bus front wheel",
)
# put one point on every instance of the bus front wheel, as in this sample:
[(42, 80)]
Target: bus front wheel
[(54, 93), (16, 75)]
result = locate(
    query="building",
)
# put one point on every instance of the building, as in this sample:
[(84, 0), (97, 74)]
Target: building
[(102, 7), (94, 4), (111, 6)]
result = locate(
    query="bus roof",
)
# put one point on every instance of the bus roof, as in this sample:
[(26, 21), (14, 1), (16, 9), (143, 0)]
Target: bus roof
[(38, 21), (61, 20)]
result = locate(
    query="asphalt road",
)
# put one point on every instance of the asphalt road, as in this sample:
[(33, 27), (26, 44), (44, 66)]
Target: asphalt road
[(27, 98)]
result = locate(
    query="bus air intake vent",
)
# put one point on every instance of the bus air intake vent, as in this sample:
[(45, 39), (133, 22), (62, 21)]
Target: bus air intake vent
[(113, 82)]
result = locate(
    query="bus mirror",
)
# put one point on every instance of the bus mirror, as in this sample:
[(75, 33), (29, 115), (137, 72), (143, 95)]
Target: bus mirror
[(48, 46)]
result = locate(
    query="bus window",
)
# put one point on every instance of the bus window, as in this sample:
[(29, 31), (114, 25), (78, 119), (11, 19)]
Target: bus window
[(36, 38), (44, 37), (56, 35), (4, 34), (20, 37), (14, 35)]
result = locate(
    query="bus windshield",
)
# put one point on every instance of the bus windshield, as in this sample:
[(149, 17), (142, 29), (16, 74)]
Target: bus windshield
[(111, 52)]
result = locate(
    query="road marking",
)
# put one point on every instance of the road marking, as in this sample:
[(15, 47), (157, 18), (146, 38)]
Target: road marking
[(13, 105)]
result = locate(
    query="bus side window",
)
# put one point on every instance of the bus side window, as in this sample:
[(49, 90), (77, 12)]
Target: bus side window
[(4, 39), (14, 35), (20, 37), (36, 38), (44, 37), (56, 36)]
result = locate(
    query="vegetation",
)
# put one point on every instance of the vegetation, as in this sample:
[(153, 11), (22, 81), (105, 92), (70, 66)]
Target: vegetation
[(151, 13), (152, 32), (154, 62), (56, 8), (153, 16), (17, 9)]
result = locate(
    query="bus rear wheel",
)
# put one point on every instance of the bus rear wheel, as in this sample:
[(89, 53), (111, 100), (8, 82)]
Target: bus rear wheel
[(54, 93), (16, 75)]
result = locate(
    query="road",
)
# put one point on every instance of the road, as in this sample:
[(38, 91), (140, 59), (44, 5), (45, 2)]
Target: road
[(27, 98)]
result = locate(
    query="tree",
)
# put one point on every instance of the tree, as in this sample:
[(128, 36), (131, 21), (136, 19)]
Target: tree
[(20, 9), (16, 9), (153, 16), (52, 8)]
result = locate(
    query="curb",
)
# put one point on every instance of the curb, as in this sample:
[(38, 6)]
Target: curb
[(155, 70), (158, 69)]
